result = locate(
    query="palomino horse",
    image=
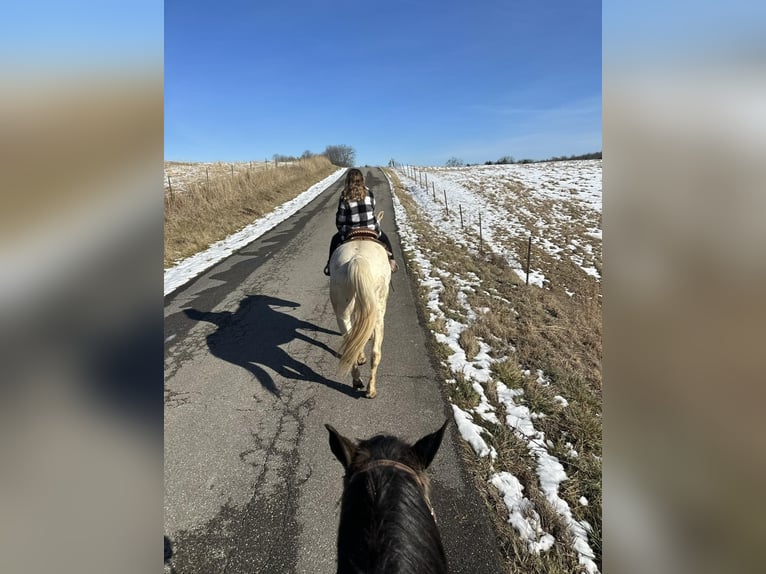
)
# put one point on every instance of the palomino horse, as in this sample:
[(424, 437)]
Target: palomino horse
[(359, 278), (386, 520)]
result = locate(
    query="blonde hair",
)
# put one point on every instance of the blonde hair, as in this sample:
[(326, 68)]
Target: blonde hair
[(354, 190)]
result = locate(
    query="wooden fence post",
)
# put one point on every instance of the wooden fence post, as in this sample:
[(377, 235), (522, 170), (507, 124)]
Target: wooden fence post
[(207, 176), (445, 201), (480, 237), (433, 187), (529, 253), (460, 207), (170, 185)]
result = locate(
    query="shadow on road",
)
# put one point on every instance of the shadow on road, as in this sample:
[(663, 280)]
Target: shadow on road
[(252, 338)]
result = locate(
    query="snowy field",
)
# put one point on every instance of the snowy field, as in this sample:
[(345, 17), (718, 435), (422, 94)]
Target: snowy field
[(558, 204), (552, 199), (181, 174)]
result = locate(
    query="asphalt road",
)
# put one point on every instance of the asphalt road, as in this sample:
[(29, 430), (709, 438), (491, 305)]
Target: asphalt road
[(250, 381)]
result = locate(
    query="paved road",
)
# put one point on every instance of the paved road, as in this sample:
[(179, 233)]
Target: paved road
[(250, 380)]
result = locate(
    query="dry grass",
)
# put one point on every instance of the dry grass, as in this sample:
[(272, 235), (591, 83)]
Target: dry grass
[(207, 212), (538, 330), (469, 343), (462, 393), (179, 174)]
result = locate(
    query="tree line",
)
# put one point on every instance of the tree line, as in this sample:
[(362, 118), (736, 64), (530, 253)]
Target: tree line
[(507, 159), (340, 155)]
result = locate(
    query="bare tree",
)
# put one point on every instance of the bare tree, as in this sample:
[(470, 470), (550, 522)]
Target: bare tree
[(454, 162), (282, 158), (340, 155)]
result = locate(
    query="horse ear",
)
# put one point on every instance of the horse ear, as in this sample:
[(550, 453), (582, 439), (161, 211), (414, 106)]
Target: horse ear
[(427, 446), (343, 448)]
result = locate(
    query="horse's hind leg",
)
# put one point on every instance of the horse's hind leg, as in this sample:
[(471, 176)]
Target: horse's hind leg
[(362, 358), (377, 344), (344, 321), (357, 377)]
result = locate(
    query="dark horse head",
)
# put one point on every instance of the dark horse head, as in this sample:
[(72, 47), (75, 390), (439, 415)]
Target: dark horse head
[(386, 520)]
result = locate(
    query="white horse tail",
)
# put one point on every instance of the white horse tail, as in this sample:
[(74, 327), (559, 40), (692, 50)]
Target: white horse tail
[(364, 316)]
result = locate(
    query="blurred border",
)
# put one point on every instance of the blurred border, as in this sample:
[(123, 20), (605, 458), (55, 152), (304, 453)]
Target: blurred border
[(81, 157), (684, 125)]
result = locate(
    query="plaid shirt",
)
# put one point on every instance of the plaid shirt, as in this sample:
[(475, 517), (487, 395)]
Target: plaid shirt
[(356, 214)]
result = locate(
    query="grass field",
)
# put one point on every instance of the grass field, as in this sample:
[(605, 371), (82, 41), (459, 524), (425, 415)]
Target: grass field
[(207, 203), (521, 363)]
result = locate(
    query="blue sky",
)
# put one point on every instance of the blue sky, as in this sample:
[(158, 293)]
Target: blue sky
[(74, 34), (417, 81), (412, 80)]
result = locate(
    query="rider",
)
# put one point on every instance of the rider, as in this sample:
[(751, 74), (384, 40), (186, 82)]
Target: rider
[(356, 209)]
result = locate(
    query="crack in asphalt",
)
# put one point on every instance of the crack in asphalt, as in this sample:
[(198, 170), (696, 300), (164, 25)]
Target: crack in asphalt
[(227, 543)]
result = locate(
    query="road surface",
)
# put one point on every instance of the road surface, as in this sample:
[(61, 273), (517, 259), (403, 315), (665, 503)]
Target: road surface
[(250, 381)]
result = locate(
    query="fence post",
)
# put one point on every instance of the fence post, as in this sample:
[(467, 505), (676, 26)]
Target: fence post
[(426, 181), (172, 197), (433, 187), (460, 207), (207, 176), (529, 253), (445, 201), (480, 237), (232, 170)]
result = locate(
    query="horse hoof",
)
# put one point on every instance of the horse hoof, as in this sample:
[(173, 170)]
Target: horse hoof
[(361, 360), (358, 384), (370, 395)]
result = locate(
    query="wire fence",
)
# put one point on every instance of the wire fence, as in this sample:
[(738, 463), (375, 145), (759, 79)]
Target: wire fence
[(181, 176), (421, 177)]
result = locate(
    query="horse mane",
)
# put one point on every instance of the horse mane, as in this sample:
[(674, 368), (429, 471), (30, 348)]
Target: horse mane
[(386, 523)]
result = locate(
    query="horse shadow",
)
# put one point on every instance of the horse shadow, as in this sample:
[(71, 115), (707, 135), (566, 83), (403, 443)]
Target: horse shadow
[(252, 338)]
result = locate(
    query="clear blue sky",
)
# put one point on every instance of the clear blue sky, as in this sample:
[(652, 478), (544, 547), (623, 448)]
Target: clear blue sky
[(418, 81)]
